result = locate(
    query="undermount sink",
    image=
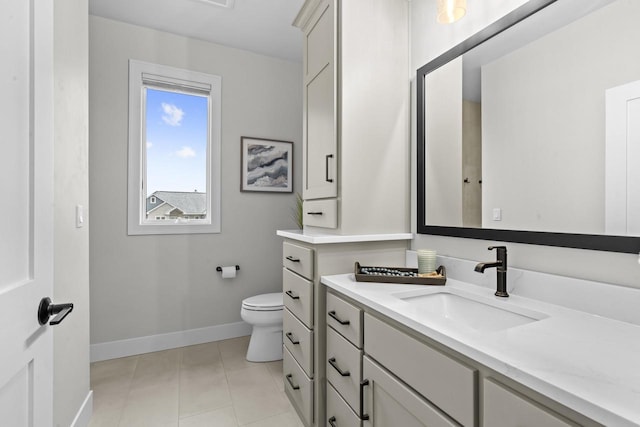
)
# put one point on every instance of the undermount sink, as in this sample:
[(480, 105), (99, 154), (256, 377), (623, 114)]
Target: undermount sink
[(470, 311)]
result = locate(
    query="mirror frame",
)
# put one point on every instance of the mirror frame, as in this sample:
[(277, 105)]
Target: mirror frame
[(600, 242)]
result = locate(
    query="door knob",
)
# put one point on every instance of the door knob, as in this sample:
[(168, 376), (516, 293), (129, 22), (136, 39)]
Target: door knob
[(46, 310)]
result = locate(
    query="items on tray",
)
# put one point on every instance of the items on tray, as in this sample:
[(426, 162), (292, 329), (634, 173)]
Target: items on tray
[(399, 275)]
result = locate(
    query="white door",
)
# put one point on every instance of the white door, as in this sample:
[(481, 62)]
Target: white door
[(26, 228), (622, 178)]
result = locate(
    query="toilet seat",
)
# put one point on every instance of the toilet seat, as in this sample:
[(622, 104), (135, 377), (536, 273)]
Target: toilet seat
[(264, 302)]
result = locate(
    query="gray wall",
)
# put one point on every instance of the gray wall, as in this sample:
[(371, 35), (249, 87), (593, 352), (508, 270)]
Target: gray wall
[(430, 40), (71, 188), (150, 285)]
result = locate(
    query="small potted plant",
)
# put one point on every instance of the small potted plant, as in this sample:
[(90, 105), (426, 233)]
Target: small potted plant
[(296, 211)]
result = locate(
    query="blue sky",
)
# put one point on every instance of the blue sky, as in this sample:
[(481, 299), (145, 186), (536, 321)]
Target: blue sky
[(176, 137)]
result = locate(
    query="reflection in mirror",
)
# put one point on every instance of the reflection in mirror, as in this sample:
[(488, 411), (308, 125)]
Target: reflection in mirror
[(538, 128)]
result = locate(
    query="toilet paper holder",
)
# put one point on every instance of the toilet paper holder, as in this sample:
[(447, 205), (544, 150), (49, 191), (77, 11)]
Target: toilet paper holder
[(220, 268)]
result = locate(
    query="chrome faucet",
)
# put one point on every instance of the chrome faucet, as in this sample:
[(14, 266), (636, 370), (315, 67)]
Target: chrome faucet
[(501, 267)]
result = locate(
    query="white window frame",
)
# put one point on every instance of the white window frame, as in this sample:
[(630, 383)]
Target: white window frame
[(144, 74)]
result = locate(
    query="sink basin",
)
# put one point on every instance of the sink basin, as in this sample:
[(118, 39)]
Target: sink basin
[(470, 311)]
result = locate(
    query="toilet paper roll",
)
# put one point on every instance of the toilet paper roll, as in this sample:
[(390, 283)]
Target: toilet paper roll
[(229, 272)]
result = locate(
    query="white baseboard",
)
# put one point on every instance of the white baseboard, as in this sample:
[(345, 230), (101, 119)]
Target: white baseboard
[(133, 346), (83, 417)]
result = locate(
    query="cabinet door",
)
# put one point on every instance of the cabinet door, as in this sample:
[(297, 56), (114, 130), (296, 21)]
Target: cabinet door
[(388, 402), (503, 407), (435, 375), (320, 139)]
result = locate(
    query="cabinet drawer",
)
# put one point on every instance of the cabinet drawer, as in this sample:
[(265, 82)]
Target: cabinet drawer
[(321, 213), (344, 369), (299, 341), (298, 258), (338, 412), (298, 296), (389, 402), (298, 387), (505, 407), (345, 318), (447, 383)]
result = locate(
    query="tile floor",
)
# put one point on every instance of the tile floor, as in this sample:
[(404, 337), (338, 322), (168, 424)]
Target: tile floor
[(202, 385)]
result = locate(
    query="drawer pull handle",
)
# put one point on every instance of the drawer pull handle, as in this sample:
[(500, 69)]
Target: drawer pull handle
[(292, 259), (332, 422), (314, 213), (290, 336), (292, 295), (289, 379), (326, 167), (332, 314), (363, 416), (333, 363)]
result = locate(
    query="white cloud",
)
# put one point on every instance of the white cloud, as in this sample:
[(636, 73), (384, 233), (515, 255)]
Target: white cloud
[(149, 144), (172, 114), (186, 152)]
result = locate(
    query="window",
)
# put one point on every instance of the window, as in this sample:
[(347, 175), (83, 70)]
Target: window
[(174, 150)]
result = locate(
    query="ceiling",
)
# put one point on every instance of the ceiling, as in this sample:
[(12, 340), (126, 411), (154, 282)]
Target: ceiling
[(260, 26)]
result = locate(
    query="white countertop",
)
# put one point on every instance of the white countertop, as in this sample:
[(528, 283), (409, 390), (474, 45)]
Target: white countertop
[(586, 362), (322, 238)]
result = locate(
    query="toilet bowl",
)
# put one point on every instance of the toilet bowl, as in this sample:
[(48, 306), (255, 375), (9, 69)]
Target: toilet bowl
[(264, 313)]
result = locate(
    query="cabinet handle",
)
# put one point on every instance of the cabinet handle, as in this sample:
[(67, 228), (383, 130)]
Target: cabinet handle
[(292, 259), (290, 335), (332, 314), (363, 384), (326, 167), (289, 379), (333, 363), (314, 213), (292, 295), (332, 422)]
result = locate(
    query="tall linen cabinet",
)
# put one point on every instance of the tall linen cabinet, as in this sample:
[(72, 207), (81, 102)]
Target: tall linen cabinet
[(356, 116), (356, 172)]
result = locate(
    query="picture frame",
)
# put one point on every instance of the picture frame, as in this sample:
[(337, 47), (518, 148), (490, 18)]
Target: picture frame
[(266, 165)]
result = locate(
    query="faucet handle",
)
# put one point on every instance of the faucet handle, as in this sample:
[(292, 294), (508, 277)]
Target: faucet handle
[(497, 247)]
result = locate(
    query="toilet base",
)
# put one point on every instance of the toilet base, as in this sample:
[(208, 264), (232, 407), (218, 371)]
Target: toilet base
[(265, 344)]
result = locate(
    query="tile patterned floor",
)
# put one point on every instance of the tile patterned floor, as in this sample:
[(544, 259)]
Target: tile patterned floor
[(202, 385)]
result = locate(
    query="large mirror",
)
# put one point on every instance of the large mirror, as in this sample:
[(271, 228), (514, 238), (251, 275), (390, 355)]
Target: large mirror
[(529, 131)]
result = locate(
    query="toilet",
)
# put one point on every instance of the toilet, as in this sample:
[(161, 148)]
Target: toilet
[(264, 313)]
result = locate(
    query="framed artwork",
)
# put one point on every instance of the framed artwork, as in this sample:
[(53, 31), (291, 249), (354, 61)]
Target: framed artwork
[(266, 165)]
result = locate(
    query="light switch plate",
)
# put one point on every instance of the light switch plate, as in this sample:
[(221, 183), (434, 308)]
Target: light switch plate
[(79, 216), (497, 214)]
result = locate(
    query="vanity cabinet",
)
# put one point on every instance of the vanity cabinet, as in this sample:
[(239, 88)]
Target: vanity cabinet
[(305, 318), (393, 370), (408, 380), (355, 137)]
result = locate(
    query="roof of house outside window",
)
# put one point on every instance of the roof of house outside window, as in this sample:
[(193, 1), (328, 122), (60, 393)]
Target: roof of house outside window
[(190, 203)]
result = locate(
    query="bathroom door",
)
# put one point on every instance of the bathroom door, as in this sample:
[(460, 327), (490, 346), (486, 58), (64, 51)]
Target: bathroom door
[(26, 228), (622, 177)]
